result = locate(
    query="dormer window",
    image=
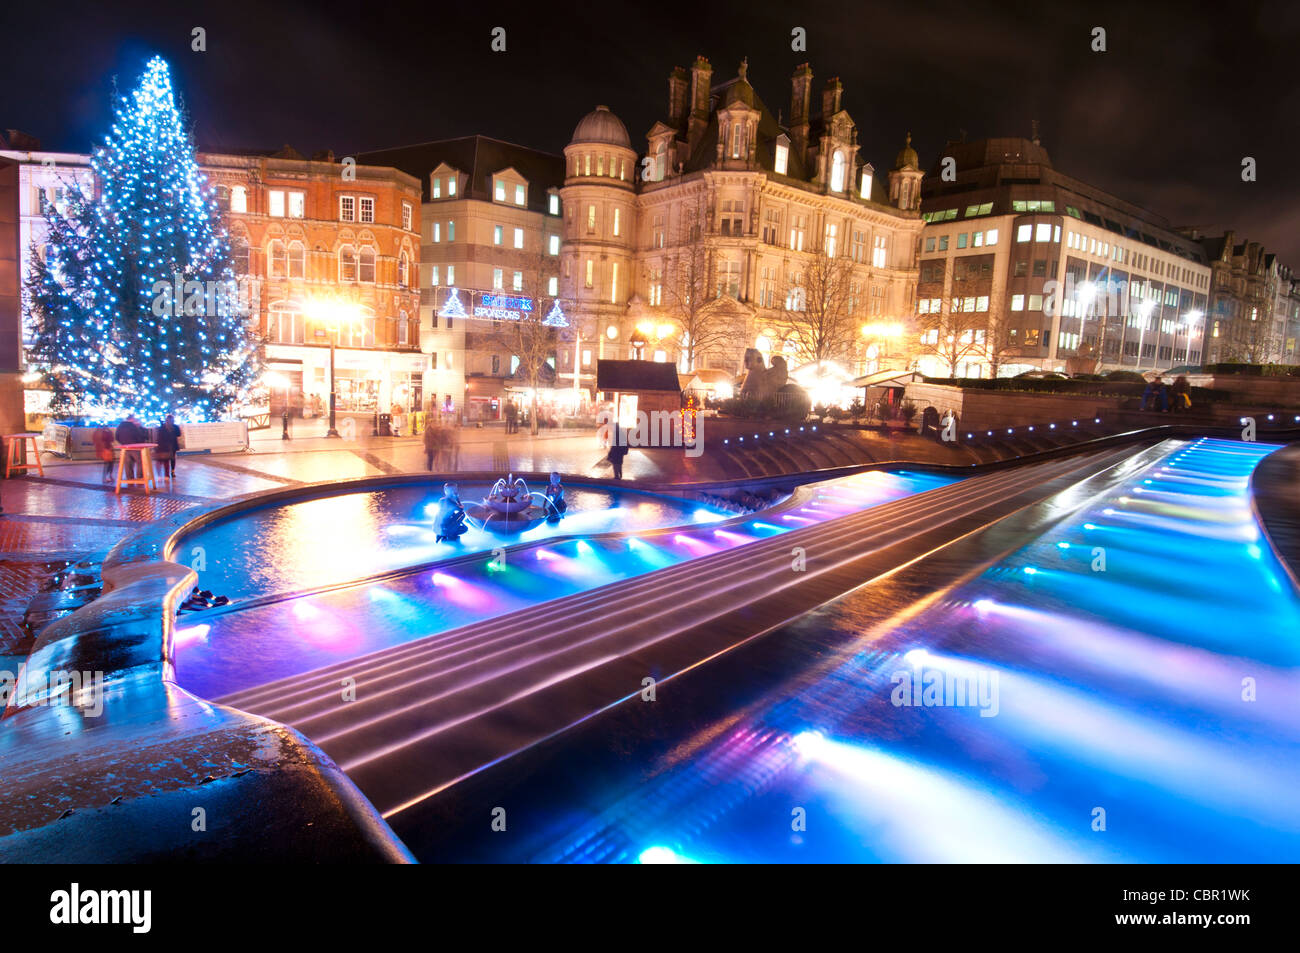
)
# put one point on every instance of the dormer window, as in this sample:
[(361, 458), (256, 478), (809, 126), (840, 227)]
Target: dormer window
[(436, 190), (782, 162), (521, 195), (553, 204), (737, 139), (451, 186), (865, 189), (837, 172), (500, 192)]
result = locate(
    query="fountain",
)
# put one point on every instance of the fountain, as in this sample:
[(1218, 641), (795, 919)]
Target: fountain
[(510, 507)]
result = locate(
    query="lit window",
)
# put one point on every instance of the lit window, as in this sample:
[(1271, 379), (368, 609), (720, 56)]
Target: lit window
[(297, 204), (591, 218), (590, 272), (553, 205), (782, 158), (520, 194), (451, 276), (1025, 233), (1035, 302), (498, 234), (586, 358), (866, 183), (275, 203), (616, 222), (837, 172), (519, 238), (451, 186), (613, 282), (347, 263), (991, 237), (1017, 302), (433, 275), (880, 252), (553, 286), (437, 232), (1044, 232), (518, 283), (498, 279), (239, 199), (437, 188), (367, 209), (500, 193), (553, 245), (451, 230), (611, 332)]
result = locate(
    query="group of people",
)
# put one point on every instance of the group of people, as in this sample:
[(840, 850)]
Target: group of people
[(1163, 397), (441, 446), (167, 443)]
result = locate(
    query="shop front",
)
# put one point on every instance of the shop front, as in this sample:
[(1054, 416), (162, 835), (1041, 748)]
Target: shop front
[(365, 382)]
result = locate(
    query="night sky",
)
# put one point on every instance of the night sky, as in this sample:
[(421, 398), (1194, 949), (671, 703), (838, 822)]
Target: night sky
[(1163, 118)]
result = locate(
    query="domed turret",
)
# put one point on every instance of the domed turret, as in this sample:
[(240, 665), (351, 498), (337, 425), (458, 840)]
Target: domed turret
[(907, 158), (601, 125)]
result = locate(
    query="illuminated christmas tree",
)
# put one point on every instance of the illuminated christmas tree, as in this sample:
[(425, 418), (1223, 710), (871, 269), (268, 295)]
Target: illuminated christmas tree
[(135, 304)]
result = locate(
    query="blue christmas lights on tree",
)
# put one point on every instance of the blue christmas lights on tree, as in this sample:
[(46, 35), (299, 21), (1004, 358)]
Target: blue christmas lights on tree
[(135, 304)]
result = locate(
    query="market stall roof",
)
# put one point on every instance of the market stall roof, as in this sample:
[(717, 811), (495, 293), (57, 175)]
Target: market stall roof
[(636, 376), (888, 379)]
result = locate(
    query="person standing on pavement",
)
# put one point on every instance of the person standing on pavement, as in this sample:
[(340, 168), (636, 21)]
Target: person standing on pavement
[(169, 443), (512, 417)]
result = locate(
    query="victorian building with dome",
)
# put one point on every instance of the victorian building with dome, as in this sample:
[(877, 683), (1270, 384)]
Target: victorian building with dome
[(764, 193)]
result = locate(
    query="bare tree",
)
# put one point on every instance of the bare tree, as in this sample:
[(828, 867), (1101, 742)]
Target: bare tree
[(955, 336), (534, 335), (816, 317), (691, 286), (1249, 337)]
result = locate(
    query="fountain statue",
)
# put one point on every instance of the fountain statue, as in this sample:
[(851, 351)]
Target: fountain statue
[(451, 515)]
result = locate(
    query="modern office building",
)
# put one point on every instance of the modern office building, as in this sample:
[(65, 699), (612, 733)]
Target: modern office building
[(1023, 267)]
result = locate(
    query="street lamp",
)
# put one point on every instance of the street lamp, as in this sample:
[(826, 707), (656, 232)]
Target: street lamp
[(333, 313), (1189, 318)]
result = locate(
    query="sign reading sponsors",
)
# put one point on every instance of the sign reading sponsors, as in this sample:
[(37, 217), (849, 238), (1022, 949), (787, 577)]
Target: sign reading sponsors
[(502, 307)]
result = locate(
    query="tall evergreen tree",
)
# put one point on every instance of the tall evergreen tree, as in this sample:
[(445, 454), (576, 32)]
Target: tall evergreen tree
[(135, 304)]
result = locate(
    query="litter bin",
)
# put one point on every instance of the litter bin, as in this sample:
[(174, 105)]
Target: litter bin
[(385, 425)]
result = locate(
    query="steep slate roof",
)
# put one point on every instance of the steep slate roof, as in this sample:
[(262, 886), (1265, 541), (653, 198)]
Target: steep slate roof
[(479, 157), (630, 376)]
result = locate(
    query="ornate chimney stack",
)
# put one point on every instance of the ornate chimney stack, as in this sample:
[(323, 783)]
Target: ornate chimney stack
[(800, 104), (701, 77), (678, 85), (831, 94)]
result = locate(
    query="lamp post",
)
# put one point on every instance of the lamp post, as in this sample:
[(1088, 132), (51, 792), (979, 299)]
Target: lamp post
[(332, 313), (1190, 317)]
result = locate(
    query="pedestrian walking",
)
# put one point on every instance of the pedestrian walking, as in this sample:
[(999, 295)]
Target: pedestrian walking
[(617, 451), (432, 444), (102, 440)]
